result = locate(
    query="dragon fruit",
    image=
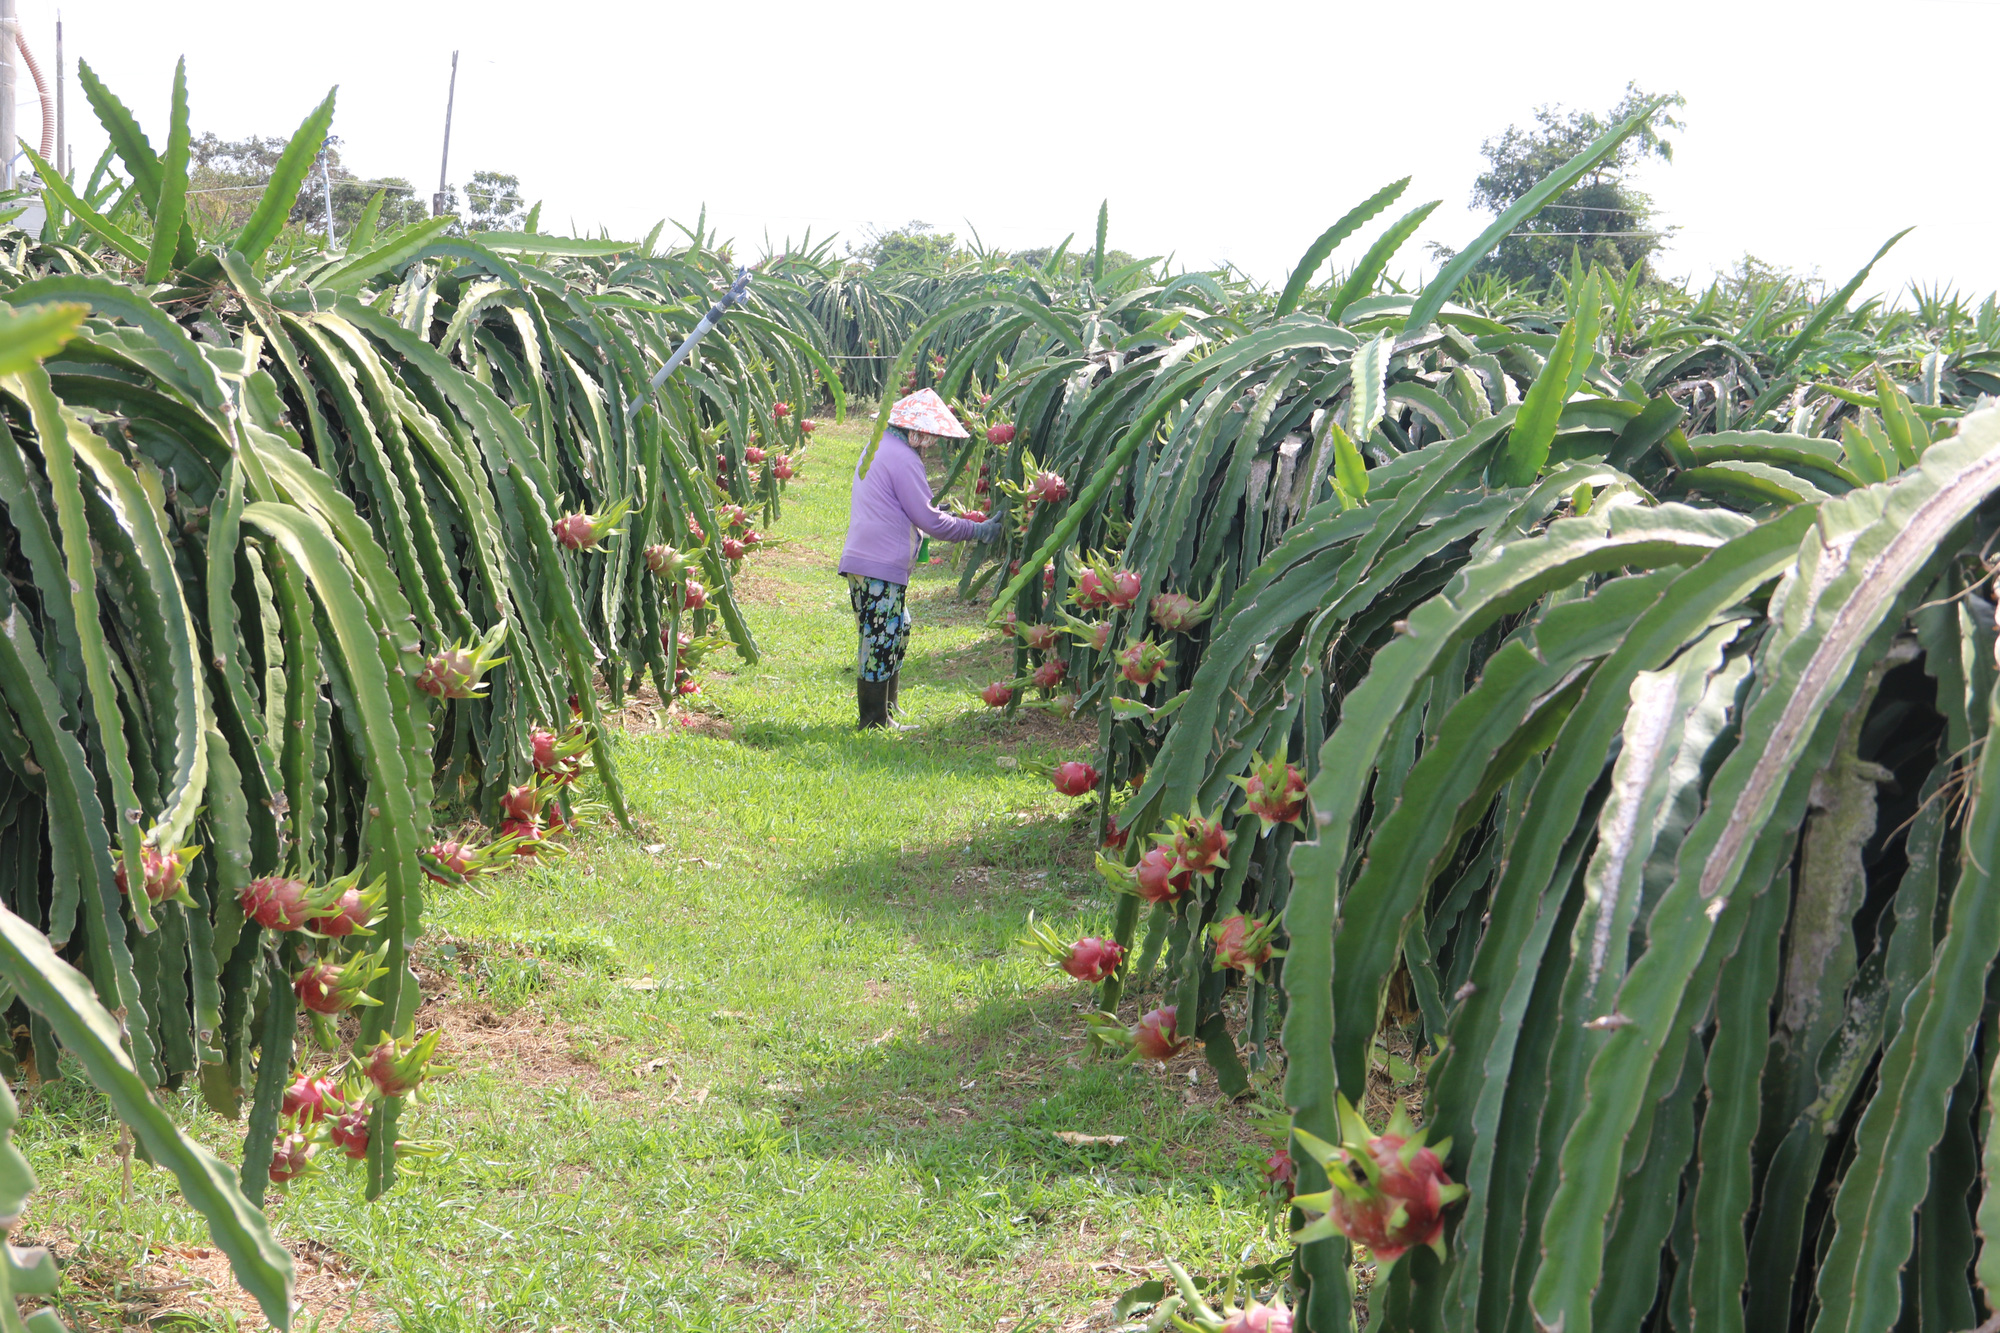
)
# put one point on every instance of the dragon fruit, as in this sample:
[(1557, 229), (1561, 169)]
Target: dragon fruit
[(350, 1133), (753, 455), (1177, 613), (982, 487), (807, 425), (1089, 591), (291, 1157), (586, 532), (781, 468), (1201, 843), (1001, 433), (308, 1099), (1157, 1036), (1049, 577), (733, 549), (693, 596), (1074, 778), (165, 872), (1047, 488), (524, 801), (396, 1067), (1258, 1317), (559, 757), (1123, 590), (997, 695), (1243, 943), (1050, 673), (1281, 1170), (734, 516), (779, 411), (695, 530), (277, 902), (528, 834), (1275, 792), (1160, 877), (1115, 838), (1141, 662), (455, 672), (1041, 638), (665, 561), (354, 912), (1093, 959), (329, 988), (1389, 1190), (1011, 622), (752, 539)]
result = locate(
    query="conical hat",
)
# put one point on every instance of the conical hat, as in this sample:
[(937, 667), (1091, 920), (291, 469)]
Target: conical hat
[(925, 411)]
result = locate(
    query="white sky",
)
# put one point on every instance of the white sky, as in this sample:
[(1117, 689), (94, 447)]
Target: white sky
[(1223, 131)]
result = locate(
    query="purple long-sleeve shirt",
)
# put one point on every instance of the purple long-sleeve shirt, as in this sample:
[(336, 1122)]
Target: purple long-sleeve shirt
[(889, 507)]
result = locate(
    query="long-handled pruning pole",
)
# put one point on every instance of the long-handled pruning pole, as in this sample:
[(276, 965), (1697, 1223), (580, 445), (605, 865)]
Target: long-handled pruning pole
[(734, 296)]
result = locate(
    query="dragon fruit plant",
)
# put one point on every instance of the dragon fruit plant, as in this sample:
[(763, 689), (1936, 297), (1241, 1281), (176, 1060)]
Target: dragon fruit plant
[(456, 672), (586, 532), (1387, 1191)]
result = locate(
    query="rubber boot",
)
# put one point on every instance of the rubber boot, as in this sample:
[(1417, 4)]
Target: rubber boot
[(872, 697), (894, 711)]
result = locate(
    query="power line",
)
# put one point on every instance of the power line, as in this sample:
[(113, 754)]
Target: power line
[(385, 185)]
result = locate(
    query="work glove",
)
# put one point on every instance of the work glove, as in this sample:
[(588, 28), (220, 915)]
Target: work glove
[(986, 531)]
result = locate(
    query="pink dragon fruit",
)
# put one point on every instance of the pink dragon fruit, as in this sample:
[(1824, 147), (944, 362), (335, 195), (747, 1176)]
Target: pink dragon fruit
[(1160, 877), (733, 549), (1123, 590), (586, 532), (1157, 1037), (695, 530), (752, 539), (291, 1157), (308, 1099), (753, 455), (529, 835), (1047, 488), (1177, 613), (165, 872), (807, 425), (781, 468), (734, 516), (665, 561), (1243, 943), (277, 902), (693, 596), (1275, 792), (1050, 673), (523, 802), (1115, 838), (1388, 1190), (329, 988), (1074, 778), (1258, 1317), (1141, 662), (982, 487), (1093, 959), (1041, 638), (1000, 433), (1090, 591), (1280, 1170), (397, 1067), (354, 912), (350, 1133), (1201, 843), (455, 672), (779, 411), (997, 695)]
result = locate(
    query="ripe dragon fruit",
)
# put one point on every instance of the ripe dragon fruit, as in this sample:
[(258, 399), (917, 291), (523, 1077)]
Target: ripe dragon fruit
[(753, 455), (455, 672), (1115, 838), (1093, 959), (1258, 1317), (1041, 638), (997, 695), (1141, 662), (695, 530), (525, 801), (1160, 877), (1275, 792), (1243, 943), (1389, 1190), (1000, 433), (329, 988), (1157, 1037), (1201, 843), (1050, 673), (396, 1067), (165, 872), (982, 487), (779, 411), (559, 757), (354, 912), (586, 532), (781, 468), (752, 539), (1123, 590), (527, 833), (1090, 591), (807, 425), (734, 516), (308, 1099), (665, 561), (291, 1157), (277, 902), (693, 596), (733, 549), (1047, 488), (1280, 1170), (350, 1133), (1074, 778)]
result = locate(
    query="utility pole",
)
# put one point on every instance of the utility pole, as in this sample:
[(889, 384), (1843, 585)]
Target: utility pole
[(9, 136), (444, 162), (62, 137), (325, 183)]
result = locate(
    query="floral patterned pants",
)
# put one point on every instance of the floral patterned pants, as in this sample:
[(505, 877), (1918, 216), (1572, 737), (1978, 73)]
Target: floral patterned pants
[(884, 624)]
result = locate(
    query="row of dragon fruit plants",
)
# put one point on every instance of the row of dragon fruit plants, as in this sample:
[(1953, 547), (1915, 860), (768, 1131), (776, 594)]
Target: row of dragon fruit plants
[(1544, 688), (313, 556)]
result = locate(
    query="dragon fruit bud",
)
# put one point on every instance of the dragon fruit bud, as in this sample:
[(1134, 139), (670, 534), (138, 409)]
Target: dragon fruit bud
[(1156, 1037), (1176, 612), (807, 425), (397, 1067), (733, 549), (1243, 943), (165, 872), (308, 1099), (997, 695), (1142, 662), (585, 532), (693, 596), (1049, 576), (455, 672), (1074, 778), (1041, 638), (1001, 433), (291, 1157), (1258, 1317), (1160, 876), (753, 455), (1093, 959), (779, 411), (1050, 673), (1280, 1169), (350, 1133)]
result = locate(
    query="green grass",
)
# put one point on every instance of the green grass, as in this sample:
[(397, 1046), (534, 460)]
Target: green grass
[(776, 1063)]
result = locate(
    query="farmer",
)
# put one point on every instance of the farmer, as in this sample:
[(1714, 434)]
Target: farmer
[(890, 506)]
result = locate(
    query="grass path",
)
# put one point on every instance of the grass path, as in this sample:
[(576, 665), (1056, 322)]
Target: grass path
[(776, 1064)]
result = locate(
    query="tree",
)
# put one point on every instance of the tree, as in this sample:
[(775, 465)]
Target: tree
[(1602, 217), (226, 178), (494, 202), (914, 245)]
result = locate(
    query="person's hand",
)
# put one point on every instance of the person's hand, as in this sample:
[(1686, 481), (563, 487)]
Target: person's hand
[(986, 531)]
